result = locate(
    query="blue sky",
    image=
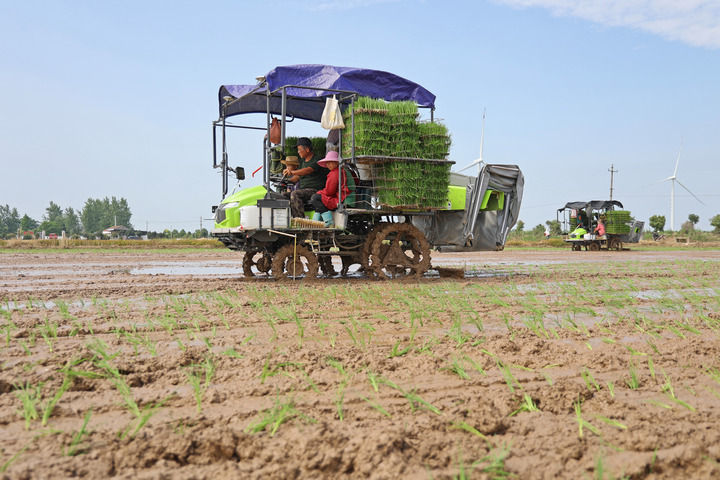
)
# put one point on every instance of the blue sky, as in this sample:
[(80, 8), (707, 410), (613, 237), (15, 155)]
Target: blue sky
[(117, 98)]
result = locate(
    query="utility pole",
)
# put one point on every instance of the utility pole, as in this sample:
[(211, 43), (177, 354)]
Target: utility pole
[(612, 171)]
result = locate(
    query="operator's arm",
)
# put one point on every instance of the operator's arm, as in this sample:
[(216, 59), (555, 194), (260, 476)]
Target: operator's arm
[(296, 174), (301, 172)]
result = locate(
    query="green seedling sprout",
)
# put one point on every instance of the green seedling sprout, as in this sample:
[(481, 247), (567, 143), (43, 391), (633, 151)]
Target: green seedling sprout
[(323, 327), (232, 353), (633, 382), (599, 468), (377, 407), (48, 331), (199, 376), (336, 365), (8, 327), (73, 449), (612, 422), (493, 464), (528, 405), (668, 389), (470, 429), (340, 399), (611, 389), (300, 330), (590, 380), (397, 351), (102, 361), (417, 402), (456, 333), (147, 412), (582, 423), (309, 380), (6, 465), (281, 412), (30, 398), (457, 369), (50, 406), (511, 381), (374, 379), (651, 367), (427, 345), (475, 365)]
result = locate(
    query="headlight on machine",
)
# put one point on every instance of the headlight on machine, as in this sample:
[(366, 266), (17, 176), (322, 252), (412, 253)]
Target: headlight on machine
[(220, 212)]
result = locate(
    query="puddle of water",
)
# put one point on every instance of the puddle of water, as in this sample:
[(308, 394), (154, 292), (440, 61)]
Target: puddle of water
[(472, 274), (47, 304), (187, 270), (672, 293)]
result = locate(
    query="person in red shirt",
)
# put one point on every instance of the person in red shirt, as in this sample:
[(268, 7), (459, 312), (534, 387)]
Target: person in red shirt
[(327, 199), (600, 228)]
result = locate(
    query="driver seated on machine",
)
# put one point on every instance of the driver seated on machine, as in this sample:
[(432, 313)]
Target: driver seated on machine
[(326, 200), (308, 177), (580, 229), (600, 227)]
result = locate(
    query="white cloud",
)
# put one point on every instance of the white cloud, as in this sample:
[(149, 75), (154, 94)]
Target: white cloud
[(695, 22)]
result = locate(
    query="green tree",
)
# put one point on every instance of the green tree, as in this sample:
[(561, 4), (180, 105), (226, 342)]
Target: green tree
[(27, 223), (53, 212), (91, 216), (520, 226), (97, 215), (71, 221), (657, 223), (694, 219), (538, 230), (715, 222), (53, 219), (9, 220), (119, 211), (554, 227)]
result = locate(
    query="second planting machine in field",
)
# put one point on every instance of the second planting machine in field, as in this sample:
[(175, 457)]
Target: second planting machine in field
[(404, 199), (579, 220)]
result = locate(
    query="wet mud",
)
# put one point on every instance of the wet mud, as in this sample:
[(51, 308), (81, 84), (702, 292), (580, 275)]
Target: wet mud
[(534, 364)]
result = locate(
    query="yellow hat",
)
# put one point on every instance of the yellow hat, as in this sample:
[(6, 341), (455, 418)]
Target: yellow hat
[(291, 160)]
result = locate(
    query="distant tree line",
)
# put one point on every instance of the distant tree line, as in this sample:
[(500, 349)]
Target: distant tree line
[(657, 223), (96, 216)]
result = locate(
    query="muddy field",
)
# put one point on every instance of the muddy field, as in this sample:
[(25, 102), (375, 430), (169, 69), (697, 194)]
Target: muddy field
[(537, 364)]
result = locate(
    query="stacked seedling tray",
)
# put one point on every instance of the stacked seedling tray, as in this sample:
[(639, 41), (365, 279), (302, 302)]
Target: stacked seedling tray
[(372, 129), (617, 222), (434, 140), (404, 138), (405, 160)]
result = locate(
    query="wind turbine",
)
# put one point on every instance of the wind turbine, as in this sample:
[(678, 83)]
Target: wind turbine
[(479, 161), (673, 179)]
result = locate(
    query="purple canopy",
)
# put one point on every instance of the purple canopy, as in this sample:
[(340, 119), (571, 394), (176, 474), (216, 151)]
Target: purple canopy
[(308, 103)]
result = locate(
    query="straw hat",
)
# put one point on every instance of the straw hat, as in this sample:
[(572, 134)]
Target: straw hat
[(331, 156), (291, 160)]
